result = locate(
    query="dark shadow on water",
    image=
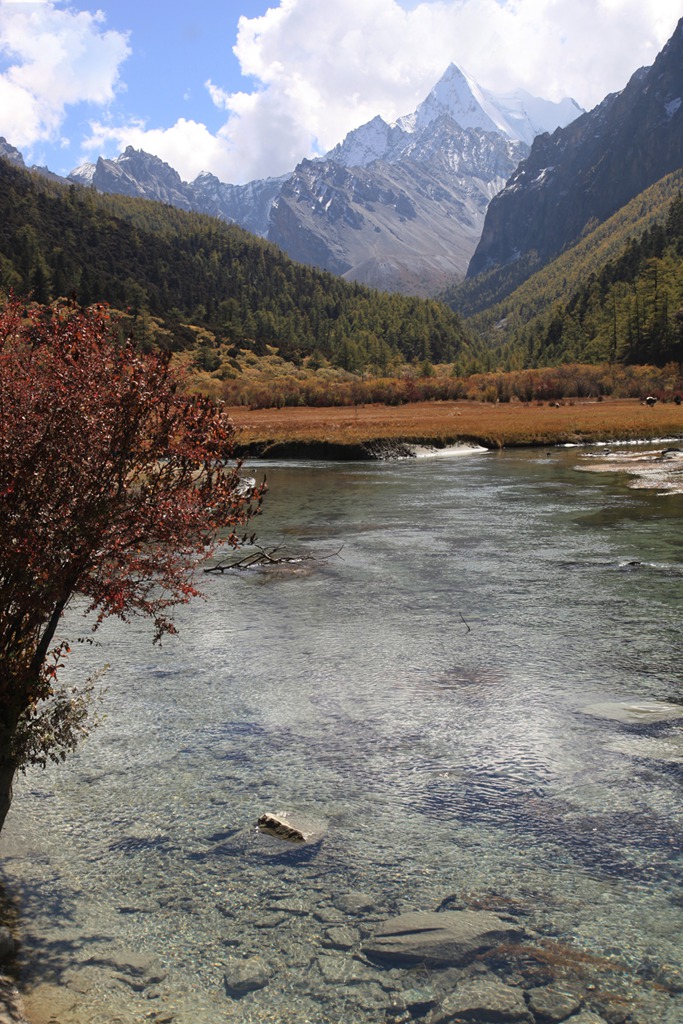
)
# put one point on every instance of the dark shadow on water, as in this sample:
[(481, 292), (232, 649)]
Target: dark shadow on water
[(39, 959), (137, 844), (636, 846), (290, 854), (46, 961)]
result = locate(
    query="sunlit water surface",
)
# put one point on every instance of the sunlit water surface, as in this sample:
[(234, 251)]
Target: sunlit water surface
[(420, 697)]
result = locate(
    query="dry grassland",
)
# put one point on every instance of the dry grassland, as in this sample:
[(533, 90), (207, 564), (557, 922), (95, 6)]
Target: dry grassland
[(495, 426)]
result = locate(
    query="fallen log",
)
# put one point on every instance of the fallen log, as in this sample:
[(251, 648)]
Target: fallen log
[(263, 557)]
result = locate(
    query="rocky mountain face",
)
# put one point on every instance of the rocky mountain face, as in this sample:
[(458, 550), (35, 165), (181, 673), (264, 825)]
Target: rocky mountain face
[(136, 173), (401, 206), (585, 172), (396, 206), (11, 153), (408, 224), (247, 205)]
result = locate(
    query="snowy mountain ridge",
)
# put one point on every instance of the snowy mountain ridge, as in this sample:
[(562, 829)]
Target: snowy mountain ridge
[(397, 206), (518, 116)]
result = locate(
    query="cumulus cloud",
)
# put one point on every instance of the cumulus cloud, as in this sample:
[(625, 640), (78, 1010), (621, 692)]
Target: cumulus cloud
[(320, 70), (53, 59), (361, 57), (188, 146), (323, 69)]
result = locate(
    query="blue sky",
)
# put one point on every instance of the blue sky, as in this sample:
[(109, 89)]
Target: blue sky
[(247, 88)]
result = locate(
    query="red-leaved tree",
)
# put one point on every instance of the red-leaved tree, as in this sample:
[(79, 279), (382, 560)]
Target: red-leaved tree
[(114, 484)]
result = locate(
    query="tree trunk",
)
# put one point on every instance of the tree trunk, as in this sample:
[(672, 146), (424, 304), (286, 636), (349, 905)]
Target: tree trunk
[(6, 779)]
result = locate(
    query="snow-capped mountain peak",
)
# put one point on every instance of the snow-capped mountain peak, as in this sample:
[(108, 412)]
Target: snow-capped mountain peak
[(398, 206), (83, 174), (518, 117), (528, 116), (461, 98), (372, 141)]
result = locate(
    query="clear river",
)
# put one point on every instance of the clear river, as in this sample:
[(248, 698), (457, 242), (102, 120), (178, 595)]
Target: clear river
[(469, 694)]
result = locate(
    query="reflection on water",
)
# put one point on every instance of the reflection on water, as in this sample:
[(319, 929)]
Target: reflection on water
[(419, 697)]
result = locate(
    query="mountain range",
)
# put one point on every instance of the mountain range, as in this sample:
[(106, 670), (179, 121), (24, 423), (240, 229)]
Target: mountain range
[(397, 206), (405, 205)]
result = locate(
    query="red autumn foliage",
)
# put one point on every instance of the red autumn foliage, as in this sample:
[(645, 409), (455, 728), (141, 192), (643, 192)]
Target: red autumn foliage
[(114, 484)]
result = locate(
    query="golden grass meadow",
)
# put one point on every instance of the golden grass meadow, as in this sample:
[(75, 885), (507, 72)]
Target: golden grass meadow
[(579, 421)]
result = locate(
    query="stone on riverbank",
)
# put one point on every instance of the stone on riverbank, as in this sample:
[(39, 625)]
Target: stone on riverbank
[(450, 938)]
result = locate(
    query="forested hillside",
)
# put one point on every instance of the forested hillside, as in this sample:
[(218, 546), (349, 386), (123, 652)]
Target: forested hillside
[(616, 296), (177, 272), (190, 282)]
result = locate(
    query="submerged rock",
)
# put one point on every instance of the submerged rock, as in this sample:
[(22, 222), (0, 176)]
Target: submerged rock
[(341, 938), (654, 748), (355, 903), (7, 944), (552, 1003), (344, 970), (671, 977), (450, 938), (244, 976), (586, 1017), (483, 1000), (128, 964), (645, 712)]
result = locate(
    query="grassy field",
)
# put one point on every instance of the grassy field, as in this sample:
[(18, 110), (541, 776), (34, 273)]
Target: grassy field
[(495, 426)]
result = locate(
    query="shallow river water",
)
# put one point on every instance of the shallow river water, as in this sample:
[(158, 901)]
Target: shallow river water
[(420, 697)]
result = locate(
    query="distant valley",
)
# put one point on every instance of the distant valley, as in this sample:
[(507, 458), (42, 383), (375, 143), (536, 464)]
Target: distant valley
[(571, 239), (399, 207)]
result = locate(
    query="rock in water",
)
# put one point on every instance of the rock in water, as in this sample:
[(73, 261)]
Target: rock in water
[(277, 826), (242, 976), (484, 999), (553, 1003), (451, 938), (643, 712)]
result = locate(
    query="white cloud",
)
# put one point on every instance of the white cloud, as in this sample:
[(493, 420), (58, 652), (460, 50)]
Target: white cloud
[(323, 69), (188, 146), (52, 59)]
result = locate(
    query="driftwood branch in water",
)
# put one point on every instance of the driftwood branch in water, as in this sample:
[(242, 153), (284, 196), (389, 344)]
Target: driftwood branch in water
[(262, 557)]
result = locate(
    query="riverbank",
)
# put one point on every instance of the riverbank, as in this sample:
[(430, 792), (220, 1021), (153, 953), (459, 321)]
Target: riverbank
[(376, 431)]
